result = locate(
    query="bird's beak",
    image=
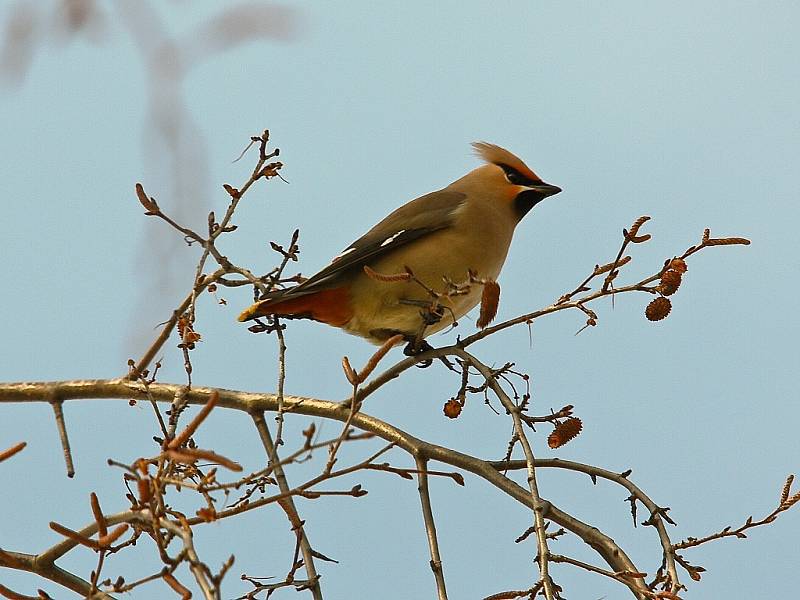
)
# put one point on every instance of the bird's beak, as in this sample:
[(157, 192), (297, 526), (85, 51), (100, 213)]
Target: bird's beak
[(545, 189)]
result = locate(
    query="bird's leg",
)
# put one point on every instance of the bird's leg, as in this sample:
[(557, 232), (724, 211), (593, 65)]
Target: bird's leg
[(431, 313), (425, 304), (417, 343)]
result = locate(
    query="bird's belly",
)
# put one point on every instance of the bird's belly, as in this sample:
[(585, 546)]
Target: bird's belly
[(390, 316), (396, 307)]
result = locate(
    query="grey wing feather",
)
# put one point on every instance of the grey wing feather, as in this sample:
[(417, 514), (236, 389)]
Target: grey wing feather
[(411, 221)]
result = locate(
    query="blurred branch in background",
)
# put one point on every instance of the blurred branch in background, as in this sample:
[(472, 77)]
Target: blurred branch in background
[(174, 141)]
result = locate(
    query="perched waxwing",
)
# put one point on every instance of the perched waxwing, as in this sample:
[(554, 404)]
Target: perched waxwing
[(458, 233)]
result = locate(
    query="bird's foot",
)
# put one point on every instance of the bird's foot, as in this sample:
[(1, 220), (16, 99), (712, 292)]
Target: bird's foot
[(417, 346)]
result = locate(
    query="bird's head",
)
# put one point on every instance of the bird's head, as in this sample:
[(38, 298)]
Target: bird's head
[(506, 177)]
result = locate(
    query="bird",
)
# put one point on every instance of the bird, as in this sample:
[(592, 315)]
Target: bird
[(400, 278)]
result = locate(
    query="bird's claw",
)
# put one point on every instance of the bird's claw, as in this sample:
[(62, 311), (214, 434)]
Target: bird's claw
[(415, 347)]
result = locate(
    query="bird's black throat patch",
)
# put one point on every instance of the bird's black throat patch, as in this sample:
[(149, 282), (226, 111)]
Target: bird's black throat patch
[(526, 200)]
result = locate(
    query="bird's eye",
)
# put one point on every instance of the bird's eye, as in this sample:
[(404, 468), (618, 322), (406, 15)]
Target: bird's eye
[(515, 177)]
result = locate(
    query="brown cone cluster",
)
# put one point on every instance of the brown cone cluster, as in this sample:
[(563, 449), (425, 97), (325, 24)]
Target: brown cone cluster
[(564, 432), (670, 282), (658, 309), (452, 408)]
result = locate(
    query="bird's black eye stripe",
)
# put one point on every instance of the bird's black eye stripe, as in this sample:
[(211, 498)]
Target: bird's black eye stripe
[(516, 177)]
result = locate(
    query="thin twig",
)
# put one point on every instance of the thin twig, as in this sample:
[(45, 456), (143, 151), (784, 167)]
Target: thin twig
[(281, 384), (9, 452), (657, 513), (430, 527), (166, 331), (58, 411), (622, 576), (283, 485), (540, 507)]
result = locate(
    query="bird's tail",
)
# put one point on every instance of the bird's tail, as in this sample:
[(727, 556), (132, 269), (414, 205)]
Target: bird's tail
[(331, 306)]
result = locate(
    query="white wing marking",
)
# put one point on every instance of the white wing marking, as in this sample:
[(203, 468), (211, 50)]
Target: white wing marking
[(343, 254), (389, 240)]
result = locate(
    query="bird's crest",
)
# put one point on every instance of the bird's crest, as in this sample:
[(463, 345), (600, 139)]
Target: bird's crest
[(501, 157)]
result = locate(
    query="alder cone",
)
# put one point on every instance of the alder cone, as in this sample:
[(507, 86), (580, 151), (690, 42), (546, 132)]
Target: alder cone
[(564, 432), (678, 264), (670, 282), (658, 309)]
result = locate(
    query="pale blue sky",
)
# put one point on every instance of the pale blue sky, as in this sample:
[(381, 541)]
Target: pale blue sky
[(684, 111)]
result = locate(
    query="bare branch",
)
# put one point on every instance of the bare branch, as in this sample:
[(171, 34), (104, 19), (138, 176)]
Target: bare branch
[(58, 411), (289, 507), (249, 402), (9, 452), (430, 527), (539, 506)]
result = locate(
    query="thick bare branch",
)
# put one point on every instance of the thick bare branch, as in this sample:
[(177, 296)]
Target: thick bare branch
[(252, 403)]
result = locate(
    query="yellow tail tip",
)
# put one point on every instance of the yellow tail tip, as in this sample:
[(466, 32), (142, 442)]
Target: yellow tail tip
[(247, 314)]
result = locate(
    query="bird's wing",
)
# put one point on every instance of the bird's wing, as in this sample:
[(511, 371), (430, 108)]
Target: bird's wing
[(410, 222)]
